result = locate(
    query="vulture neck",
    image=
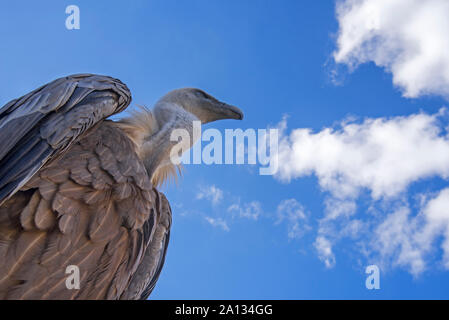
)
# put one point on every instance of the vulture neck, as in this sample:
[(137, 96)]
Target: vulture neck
[(150, 131)]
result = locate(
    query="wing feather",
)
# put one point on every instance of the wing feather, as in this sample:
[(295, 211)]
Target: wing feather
[(44, 123), (145, 278), (73, 191)]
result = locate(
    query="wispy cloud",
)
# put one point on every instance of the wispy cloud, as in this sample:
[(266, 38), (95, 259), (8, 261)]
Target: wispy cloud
[(218, 222), (407, 240), (406, 37), (249, 210), (211, 193), (227, 212), (324, 248), (293, 212)]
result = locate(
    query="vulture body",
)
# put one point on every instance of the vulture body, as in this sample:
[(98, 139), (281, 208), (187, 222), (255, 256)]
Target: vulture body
[(79, 190)]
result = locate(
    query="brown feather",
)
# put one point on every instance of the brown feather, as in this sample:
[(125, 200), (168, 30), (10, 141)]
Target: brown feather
[(55, 174), (47, 189), (44, 218), (27, 214), (72, 190), (103, 223), (80, 174), (79, 214), (25, 248)]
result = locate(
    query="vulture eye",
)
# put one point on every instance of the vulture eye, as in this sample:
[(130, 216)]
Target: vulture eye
[(201, 94)]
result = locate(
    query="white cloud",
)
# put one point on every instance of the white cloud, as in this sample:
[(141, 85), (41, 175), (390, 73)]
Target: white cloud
[(408, 240), (293, 212), (250, 210), (409, 38), (395, 241), (381, 155), (384, 157), (324, 248), (437, 217), (336, 208), (211, 193), (218, 222)]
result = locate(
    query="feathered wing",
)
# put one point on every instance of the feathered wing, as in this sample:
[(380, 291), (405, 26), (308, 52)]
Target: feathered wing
[(144, 279), (76, 194), (44, 123)]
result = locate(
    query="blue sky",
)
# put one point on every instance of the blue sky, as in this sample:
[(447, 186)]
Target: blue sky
[(276, 59)]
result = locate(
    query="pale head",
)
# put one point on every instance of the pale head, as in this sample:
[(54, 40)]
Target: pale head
[(151, 130), (200, 104)]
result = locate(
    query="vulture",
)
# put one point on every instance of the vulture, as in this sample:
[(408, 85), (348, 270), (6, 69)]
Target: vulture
[(79, 189)]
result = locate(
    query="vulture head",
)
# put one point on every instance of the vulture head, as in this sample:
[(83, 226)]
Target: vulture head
[(197, 103), (150, 130)]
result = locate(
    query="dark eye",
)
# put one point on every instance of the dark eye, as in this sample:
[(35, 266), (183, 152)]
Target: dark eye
[(201, 94)]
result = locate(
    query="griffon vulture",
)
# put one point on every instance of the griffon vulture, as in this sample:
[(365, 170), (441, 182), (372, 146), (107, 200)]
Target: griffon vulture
[(77, 189)]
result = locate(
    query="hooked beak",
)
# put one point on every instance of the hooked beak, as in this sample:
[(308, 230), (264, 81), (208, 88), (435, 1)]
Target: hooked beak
[(226, 111)]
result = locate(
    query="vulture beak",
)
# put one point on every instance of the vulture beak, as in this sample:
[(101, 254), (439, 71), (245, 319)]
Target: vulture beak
[(226, 111)]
